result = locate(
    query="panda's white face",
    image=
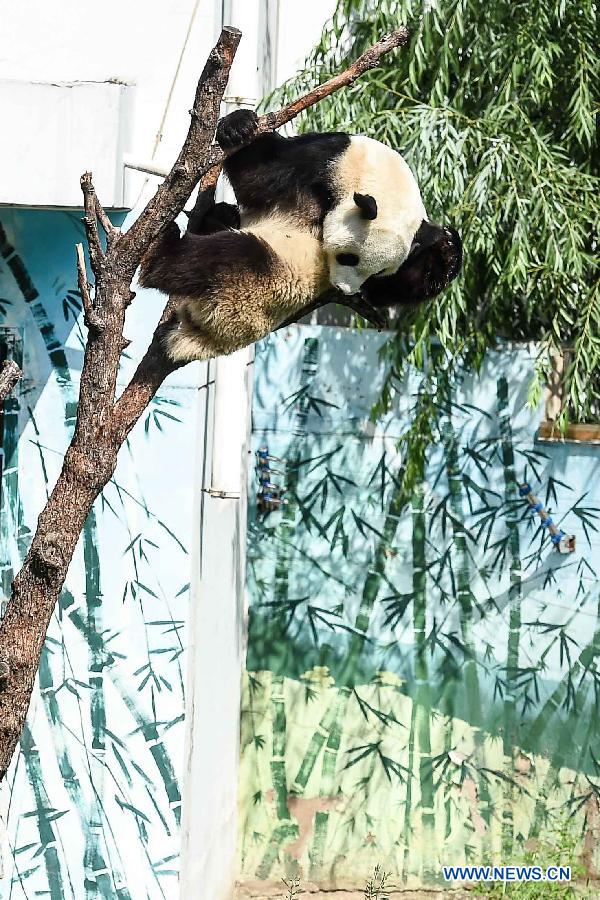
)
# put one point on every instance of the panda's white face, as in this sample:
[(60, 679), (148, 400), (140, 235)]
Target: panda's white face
[(379, 210)]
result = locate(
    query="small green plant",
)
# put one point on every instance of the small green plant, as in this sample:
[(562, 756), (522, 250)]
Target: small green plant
[(292, 886), (375, 887), (563, 852)]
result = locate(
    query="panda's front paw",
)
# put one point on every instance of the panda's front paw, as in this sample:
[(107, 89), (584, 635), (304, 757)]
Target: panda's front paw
[(237, 128)]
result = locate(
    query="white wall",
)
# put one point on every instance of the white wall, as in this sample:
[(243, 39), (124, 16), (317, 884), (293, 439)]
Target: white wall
[(300, 25), (137, 41), (158, 46)]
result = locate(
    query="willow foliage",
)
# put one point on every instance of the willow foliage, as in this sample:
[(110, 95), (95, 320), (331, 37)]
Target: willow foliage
[(494, 106)]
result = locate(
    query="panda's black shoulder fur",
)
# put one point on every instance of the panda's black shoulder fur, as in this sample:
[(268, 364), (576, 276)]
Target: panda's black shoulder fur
[(196, 265), (290, 173)]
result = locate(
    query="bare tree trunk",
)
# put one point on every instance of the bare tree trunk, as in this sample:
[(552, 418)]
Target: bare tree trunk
[(103, 424)]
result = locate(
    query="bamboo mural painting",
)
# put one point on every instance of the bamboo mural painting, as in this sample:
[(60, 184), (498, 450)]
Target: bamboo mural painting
[(422, 674), (439, 677), (100, 761)]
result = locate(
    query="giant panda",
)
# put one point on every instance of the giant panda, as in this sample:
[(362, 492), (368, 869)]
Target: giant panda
[(315, 212)]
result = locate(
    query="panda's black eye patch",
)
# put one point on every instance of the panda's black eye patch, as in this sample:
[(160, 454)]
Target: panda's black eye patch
[(347, 259)]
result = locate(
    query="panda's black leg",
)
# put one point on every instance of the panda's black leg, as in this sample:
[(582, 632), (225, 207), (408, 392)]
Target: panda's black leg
[(236, 129), (165, 246), (219, 217)]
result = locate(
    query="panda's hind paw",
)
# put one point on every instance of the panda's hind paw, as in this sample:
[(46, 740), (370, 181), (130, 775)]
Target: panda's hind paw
[(237, 128)]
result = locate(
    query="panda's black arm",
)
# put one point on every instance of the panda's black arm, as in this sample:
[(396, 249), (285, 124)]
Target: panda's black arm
[(273, 168), (356, 303)]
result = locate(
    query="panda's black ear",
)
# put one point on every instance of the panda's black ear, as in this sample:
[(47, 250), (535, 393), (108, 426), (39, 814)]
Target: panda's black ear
[(367, 206)]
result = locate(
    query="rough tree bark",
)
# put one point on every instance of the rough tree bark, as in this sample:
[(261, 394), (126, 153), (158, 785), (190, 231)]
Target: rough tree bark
[(103, 424), (9, 375)]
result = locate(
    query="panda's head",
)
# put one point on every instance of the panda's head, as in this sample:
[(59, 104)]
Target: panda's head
[(376, 214)]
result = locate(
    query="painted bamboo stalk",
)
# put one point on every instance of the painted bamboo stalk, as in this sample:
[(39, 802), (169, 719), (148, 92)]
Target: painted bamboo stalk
[(149, 730), (278, 770), (57, 883), (329, 778), (286, 829), (509, 737), (464, 578), (315, 745), (93, 598), (99, 883), (408, 808), (281, 834), (422, 695)]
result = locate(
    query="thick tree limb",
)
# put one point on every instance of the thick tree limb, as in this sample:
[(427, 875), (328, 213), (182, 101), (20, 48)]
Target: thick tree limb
[(274, 120), (102, 425), (10, 373)]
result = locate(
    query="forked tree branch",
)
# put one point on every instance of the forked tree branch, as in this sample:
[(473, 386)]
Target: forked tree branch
[(103, 424)]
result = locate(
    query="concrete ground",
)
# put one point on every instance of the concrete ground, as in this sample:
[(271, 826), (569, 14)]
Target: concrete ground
[(274, 891)]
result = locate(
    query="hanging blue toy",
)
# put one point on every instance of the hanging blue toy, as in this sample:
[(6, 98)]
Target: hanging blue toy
[(270, 494), (564, 543)]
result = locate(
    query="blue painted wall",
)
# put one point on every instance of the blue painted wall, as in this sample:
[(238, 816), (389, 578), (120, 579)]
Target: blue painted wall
[(95, 791), (422, 683)]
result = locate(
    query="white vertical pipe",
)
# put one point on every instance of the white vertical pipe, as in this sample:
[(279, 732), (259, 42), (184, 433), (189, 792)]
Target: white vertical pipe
[(230, 424), (217, 627)]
